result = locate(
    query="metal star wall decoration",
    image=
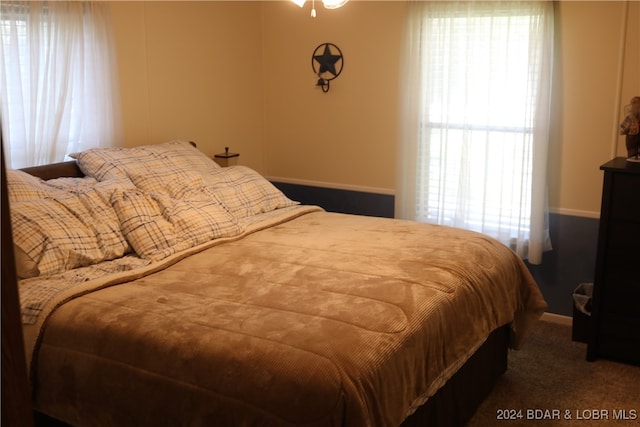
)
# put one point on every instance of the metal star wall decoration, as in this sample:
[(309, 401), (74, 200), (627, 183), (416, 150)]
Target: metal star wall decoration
[(327, 65)]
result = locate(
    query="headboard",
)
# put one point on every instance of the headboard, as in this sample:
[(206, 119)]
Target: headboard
[(55, 170)]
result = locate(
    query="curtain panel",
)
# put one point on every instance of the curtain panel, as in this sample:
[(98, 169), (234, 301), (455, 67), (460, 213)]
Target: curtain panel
[(58, 78), (475, 119)]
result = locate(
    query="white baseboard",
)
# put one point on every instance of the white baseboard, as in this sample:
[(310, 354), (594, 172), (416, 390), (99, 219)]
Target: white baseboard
[(575, 212), (557, 318)]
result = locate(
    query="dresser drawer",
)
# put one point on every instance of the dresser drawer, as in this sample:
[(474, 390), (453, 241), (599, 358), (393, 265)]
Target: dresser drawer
[(620, 285), (626, 203), (619, 338), (624, 235), (621, 295)]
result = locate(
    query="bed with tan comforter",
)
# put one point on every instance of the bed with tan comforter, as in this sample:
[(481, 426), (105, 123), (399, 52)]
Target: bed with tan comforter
[(275, 314)]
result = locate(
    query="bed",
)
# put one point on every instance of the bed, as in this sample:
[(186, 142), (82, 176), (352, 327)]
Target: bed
[(158, 289)]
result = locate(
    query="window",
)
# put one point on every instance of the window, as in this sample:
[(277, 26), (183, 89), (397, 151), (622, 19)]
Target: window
[(57, 77), (478, 106)]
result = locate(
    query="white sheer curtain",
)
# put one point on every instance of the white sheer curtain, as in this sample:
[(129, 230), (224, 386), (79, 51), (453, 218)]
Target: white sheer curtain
[(475, 119), (58, 80)]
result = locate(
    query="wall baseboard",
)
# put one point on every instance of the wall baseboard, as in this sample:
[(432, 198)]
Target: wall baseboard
[(575, 212), (557, 318)]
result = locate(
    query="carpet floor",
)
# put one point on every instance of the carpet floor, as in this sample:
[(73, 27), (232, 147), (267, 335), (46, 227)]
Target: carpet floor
[(550, 383)]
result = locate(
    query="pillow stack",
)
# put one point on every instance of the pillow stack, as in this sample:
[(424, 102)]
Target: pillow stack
[(155, 199)]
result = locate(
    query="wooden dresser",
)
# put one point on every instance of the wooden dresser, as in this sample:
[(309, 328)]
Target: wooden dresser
[(615, 323)]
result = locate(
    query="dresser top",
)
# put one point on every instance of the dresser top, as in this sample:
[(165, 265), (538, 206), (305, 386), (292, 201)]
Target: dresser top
[(620, 164)]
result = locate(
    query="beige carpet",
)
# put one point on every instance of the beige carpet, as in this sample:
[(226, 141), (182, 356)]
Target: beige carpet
[(550, 375)]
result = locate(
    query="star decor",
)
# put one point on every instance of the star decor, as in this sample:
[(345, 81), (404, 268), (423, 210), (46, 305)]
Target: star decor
[(327, 63), (327, 60)]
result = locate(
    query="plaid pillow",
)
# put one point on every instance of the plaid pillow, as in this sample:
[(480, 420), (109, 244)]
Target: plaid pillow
[(158, 226), (244, 192), (198, 220), (52, 234), (177, 184), (182, 155), (119, 162), (68, 229), (22, 187), (112, 162), (69, 184), (25, 266), (148, 232), (96, 199)]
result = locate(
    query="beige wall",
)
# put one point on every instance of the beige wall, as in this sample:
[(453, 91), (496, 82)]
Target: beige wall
[(239, 74), (586, 98), (192, 70), (349, 134)]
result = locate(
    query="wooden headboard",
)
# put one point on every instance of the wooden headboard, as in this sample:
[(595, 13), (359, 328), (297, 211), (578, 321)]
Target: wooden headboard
[(56, 170)]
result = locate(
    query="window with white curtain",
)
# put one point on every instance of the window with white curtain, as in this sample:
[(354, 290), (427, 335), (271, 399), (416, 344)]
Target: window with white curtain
[(476, 119), (57, 80)]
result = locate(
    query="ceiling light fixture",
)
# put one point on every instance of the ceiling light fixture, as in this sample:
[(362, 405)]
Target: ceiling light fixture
[(334, 4), (329, 4)]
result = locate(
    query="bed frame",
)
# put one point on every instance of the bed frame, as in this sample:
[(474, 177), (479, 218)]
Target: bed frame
[(453, 405)]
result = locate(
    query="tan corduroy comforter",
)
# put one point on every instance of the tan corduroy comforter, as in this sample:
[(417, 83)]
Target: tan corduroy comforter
[(320, 320)]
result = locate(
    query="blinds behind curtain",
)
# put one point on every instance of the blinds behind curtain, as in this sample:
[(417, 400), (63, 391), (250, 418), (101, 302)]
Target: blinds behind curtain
[(58, 78), (476, 119)]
